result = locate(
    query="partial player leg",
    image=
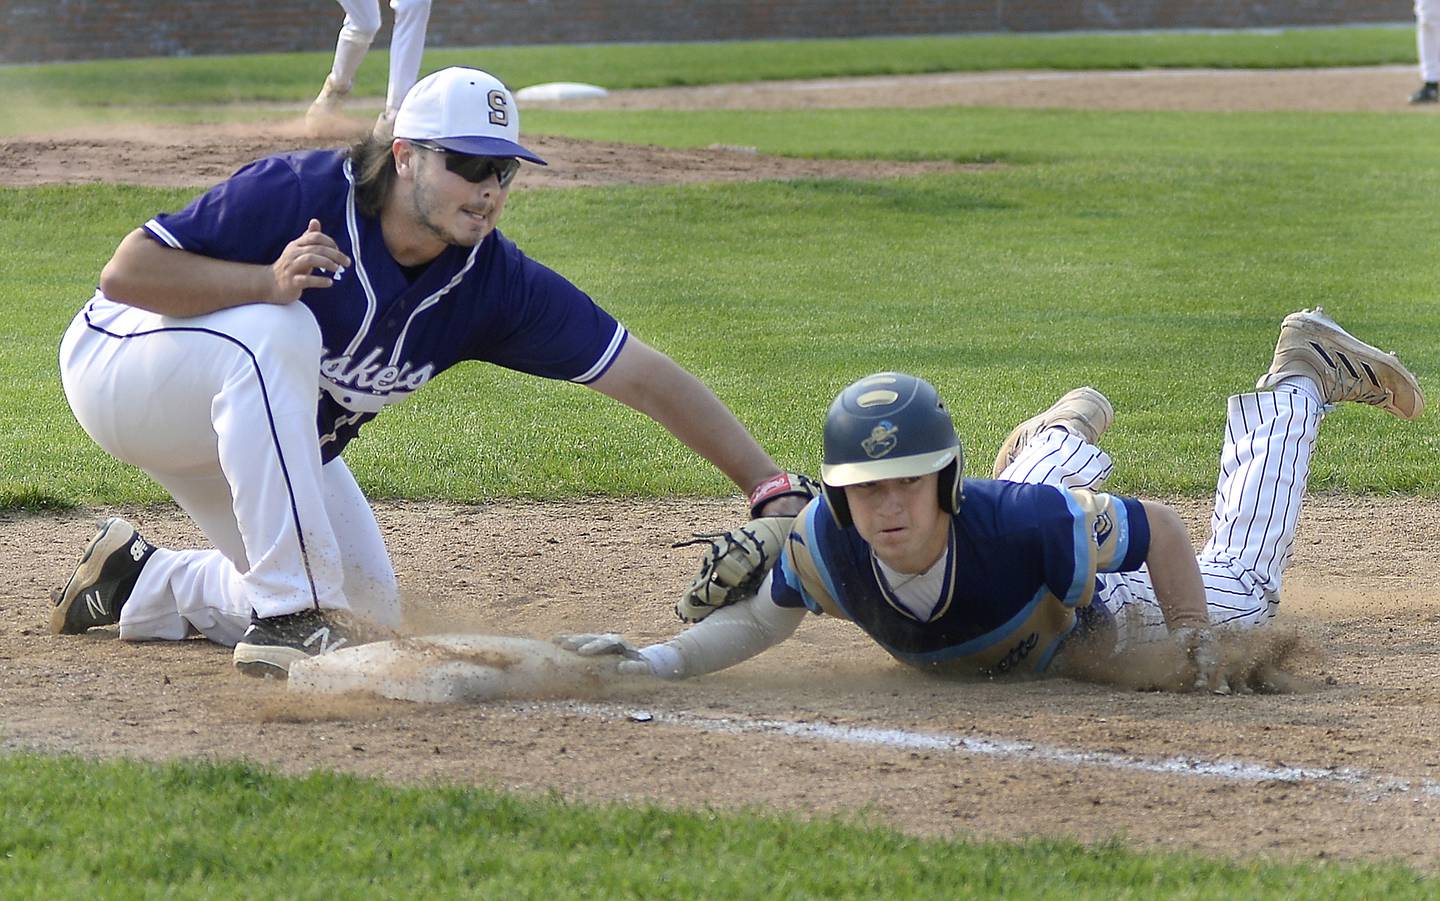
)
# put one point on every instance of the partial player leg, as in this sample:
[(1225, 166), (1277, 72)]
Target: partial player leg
[(1057, 447), (1269, 437), (1264, 466), (185, 400), (181, 592), (1427, 39), (1427, 43), (369, 577), (407, 47), (362, 22)]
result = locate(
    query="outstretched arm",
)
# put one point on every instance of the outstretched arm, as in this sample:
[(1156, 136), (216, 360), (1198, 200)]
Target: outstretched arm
[(1180, 591), (654, 384), (151, 276), (726, 637), (1173, 569)]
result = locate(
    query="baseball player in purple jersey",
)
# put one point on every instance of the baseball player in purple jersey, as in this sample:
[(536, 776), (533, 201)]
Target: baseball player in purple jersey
[(234, 348), (987, 576), (407, 45)]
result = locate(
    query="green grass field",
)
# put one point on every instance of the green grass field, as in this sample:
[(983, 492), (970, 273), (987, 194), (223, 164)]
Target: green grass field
[(203, 830), (147, 83), (1152, 255), (1149, 254)]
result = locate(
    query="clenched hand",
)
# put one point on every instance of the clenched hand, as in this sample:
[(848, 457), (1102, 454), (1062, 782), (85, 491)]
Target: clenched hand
[(296, 270)]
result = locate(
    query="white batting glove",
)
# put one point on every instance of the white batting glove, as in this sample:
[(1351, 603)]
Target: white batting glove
[(595, 644), (1203, 651), (592, 644)]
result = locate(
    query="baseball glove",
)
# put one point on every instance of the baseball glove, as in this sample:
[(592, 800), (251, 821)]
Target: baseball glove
[(735, 564)]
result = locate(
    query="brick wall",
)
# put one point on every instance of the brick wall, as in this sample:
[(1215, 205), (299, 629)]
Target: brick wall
[(52, 30)]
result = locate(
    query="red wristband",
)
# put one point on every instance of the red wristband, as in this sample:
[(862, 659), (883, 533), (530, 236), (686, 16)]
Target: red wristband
[(781, 485)]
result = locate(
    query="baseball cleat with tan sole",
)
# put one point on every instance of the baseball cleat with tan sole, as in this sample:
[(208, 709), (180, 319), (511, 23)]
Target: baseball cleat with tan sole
[(1344, 367), (103, 580), (1083, 411)]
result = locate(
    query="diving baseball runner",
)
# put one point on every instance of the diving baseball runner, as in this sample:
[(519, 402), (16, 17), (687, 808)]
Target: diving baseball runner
[(988, 576), (195, 363)]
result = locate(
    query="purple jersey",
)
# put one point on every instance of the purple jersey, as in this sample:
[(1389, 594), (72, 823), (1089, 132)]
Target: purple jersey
[(384, 336)]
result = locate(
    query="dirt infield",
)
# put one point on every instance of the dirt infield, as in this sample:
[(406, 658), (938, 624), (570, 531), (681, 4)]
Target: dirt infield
[(1341, 766), (202, 155)]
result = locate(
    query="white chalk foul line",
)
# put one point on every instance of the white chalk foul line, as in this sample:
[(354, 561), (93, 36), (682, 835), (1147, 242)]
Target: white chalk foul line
[(1360, 781)]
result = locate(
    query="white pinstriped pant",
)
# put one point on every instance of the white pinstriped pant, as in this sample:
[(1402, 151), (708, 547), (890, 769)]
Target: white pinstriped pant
[(1264, 465)]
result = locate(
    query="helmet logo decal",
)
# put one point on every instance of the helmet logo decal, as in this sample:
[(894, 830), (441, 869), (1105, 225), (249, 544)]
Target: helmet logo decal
[(882, 440), (1102, 529)]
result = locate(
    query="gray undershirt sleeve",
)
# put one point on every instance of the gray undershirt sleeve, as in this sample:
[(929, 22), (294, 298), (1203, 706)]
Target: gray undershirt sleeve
[(725, 637)]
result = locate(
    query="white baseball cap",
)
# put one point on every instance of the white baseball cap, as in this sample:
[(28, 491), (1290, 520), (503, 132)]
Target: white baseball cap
[(465, 110)]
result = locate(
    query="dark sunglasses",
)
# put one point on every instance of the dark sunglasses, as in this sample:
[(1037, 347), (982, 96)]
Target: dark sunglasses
[(476, 169)]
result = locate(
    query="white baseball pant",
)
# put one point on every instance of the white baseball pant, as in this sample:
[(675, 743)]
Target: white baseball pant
[(1427, 38), (407, 44), (1264, 465), (220, 410)]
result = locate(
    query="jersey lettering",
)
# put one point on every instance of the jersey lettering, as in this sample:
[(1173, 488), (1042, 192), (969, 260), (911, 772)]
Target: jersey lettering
[(1016, 654), (369, 375)]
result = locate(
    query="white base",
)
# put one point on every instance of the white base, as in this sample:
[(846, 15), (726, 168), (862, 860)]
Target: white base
[(447, 669), (560, 90)]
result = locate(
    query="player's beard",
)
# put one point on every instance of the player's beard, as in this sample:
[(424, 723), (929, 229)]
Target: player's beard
[(437, 216)]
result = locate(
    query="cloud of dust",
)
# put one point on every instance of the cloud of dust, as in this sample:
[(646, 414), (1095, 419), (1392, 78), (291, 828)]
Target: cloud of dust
[(1260, 661)]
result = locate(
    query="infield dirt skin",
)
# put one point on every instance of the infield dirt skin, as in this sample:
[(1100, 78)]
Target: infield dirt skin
[(1341, 765), (1362, 706)]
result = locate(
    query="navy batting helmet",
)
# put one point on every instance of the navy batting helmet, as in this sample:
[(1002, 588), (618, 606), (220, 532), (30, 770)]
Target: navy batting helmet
[(889, 426)]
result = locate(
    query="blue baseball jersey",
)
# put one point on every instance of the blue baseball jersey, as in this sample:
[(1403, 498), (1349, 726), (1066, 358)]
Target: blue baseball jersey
[(387, 331), (1020, 575)]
